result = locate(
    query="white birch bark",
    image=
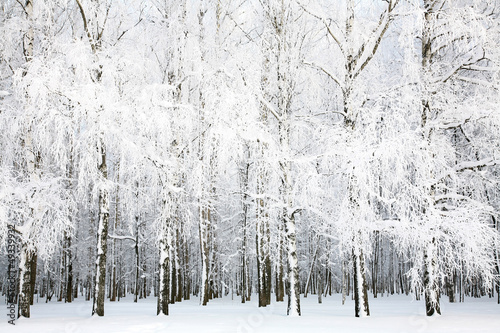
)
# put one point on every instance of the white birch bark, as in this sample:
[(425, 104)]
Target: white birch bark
[(102, 237), (164, 265), (431, 286), (27, 253)]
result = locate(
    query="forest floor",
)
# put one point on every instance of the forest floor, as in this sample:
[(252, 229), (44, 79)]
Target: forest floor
[(392, 314)]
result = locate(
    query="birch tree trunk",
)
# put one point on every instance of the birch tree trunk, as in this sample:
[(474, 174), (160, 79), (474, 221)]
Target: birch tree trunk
[(205, 264), (361, 307), (360, 286), (24, 298), (280, 283), (277, 93), (28, 254), (244, 175), (289, 210), (68, 238), (62, 273), (262, 214), (94, 32), (205, 160), (262, 238), (164, 266), (102, 239), (293, 267), (137, 258), (69, 278), (430, 283), (113, 278), (179, 286)]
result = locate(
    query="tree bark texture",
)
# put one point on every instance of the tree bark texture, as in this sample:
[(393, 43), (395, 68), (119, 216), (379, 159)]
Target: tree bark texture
[(102, 240)]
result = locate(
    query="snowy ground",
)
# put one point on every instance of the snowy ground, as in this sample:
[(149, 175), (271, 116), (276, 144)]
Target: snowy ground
[(389, 315)]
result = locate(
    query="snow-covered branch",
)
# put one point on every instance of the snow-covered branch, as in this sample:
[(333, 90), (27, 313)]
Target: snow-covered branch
[(132, 238), (270, 108), (474, 165), (327, 72)]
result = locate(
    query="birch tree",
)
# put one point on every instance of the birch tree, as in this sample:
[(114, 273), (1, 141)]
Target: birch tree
[(354, 51), (94, 17), (281, 45), (36, 203), (95, 23), (28, 255), (452, 55)]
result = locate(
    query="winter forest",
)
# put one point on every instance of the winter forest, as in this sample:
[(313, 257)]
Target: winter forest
[(262, 150)]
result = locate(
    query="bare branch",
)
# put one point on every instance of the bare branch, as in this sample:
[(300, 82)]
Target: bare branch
[(382, 27), (474, 165), (24, 8), (99, 35), (132, 238), (193, 140), (475, 81), (85, 25), (127, 30), (330, 75), (247, 35), (327, 26), (270, 108)]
